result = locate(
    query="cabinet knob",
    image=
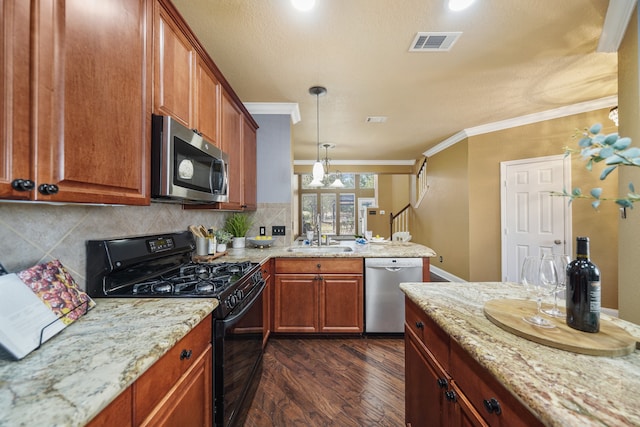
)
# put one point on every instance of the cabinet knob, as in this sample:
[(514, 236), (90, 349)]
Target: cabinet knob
[(492, 406), (22, 184), (48, 189), (443, 383), (185, 354), (451, 396), (318, 265), (419, 324)]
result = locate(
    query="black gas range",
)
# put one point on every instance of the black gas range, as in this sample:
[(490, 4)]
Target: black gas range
[(160, 266)]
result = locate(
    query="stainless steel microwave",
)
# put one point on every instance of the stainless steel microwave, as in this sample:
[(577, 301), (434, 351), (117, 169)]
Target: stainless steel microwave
[(185, 168)]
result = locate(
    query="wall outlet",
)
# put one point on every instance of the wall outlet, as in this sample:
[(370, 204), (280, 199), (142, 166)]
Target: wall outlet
[(263, 230), (277, 230)]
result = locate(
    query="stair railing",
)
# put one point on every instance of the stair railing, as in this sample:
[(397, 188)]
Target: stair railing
[(400, 220)]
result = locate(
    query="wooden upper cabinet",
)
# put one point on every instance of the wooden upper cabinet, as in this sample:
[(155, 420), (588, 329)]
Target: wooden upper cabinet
[(79, 129), (231, 138), (249, 165), (174, 60), (207, 103), (189, 87), (14, 110)]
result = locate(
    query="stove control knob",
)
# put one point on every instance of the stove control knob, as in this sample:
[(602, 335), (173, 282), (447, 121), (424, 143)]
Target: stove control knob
[(239, 294)]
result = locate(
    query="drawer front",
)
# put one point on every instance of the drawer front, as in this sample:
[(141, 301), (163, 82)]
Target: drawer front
[(318, 265), (430, 334), (156, 382), (482, 390)]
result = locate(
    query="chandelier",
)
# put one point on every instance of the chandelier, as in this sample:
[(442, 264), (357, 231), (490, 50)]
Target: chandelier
[(337, 182)]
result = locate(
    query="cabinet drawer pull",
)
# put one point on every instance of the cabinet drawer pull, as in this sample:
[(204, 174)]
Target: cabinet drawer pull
[(492, 406), (48, 189), (23, 184), (419, 325), (185, 354), (451, 396)]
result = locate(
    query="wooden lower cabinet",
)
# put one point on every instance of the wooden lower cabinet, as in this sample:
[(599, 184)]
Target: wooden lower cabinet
[(445, 386), (318, 296), (267, 302), (176, 391)]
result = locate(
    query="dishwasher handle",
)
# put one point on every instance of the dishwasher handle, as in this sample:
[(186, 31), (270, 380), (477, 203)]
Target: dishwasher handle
[(393, 269)]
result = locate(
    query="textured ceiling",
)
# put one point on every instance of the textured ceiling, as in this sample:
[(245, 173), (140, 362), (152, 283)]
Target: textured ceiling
[(513, 58)]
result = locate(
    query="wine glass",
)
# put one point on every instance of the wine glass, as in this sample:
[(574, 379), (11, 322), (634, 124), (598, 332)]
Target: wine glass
[(539, 279), (561, 261)]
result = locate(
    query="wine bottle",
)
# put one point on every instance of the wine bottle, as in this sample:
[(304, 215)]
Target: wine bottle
[(583, 290)]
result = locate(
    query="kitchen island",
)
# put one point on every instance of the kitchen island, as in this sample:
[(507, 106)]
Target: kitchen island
[(559, 388), (77, 373)]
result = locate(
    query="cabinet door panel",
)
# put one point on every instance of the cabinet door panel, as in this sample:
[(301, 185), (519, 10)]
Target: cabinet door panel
[(249, 166), (14, 87), (231, 144), (174, 62), (188, 403), (341, 304), (424, 400), (92, 110), (295, 304), (207, 103)]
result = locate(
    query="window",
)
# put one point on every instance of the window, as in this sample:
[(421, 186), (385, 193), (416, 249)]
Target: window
[(337, 209)]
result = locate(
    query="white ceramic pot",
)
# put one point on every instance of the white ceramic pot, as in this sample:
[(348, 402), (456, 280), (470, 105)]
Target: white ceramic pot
[(221, 247), (239, 242)]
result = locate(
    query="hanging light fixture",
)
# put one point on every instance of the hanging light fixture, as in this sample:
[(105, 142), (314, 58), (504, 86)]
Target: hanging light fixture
[(318, 168), (613, 115), (337, 183)]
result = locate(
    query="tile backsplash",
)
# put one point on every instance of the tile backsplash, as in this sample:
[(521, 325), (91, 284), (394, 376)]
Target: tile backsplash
[(32, 233)]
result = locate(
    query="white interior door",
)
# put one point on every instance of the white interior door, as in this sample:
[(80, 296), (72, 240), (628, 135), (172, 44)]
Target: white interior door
[(533, 221)]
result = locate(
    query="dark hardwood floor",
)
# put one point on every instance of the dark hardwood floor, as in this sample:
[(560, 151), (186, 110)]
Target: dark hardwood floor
[(330, 382)]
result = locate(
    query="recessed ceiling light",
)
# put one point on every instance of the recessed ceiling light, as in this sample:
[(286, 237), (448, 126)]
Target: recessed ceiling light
[(303, 5), (457, 5)]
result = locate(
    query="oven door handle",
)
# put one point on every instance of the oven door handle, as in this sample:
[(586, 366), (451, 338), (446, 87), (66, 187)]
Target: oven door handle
[(228, 321)]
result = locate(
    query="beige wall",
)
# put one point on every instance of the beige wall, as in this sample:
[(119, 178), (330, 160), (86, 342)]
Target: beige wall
[(460, 216), (629, 106), (442, 219)]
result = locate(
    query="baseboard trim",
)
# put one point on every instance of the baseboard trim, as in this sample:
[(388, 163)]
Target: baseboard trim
[(445, 275)]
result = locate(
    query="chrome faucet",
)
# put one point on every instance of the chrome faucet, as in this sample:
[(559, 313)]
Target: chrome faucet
[(318, 236)]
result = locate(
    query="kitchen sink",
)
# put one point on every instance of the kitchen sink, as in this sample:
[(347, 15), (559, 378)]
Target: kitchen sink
[(320, 249)]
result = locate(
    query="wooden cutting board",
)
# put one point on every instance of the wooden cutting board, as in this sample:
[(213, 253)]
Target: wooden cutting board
[(611, 341), (208, 258)]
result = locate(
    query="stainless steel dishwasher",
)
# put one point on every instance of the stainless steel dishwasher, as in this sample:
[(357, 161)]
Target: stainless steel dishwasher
[(384, 301)]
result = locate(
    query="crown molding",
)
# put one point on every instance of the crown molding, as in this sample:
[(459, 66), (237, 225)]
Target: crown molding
[(615, 24), (528, 119), (288, 108), (359, 162)]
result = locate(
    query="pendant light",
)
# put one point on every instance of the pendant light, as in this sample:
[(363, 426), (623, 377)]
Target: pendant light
[(318, 168)]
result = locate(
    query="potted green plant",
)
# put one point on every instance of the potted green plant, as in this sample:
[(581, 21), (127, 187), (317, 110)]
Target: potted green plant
[(222, 238), (238, 225)]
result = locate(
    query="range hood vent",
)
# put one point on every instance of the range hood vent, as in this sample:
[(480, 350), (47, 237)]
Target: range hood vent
[(434, 42)]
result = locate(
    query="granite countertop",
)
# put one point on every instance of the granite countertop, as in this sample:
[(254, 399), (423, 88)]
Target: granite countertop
[(78, 372), (371, 250), (561, 388)]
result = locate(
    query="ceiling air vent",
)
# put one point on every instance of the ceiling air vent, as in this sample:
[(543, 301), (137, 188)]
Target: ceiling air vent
[(434, 42)]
